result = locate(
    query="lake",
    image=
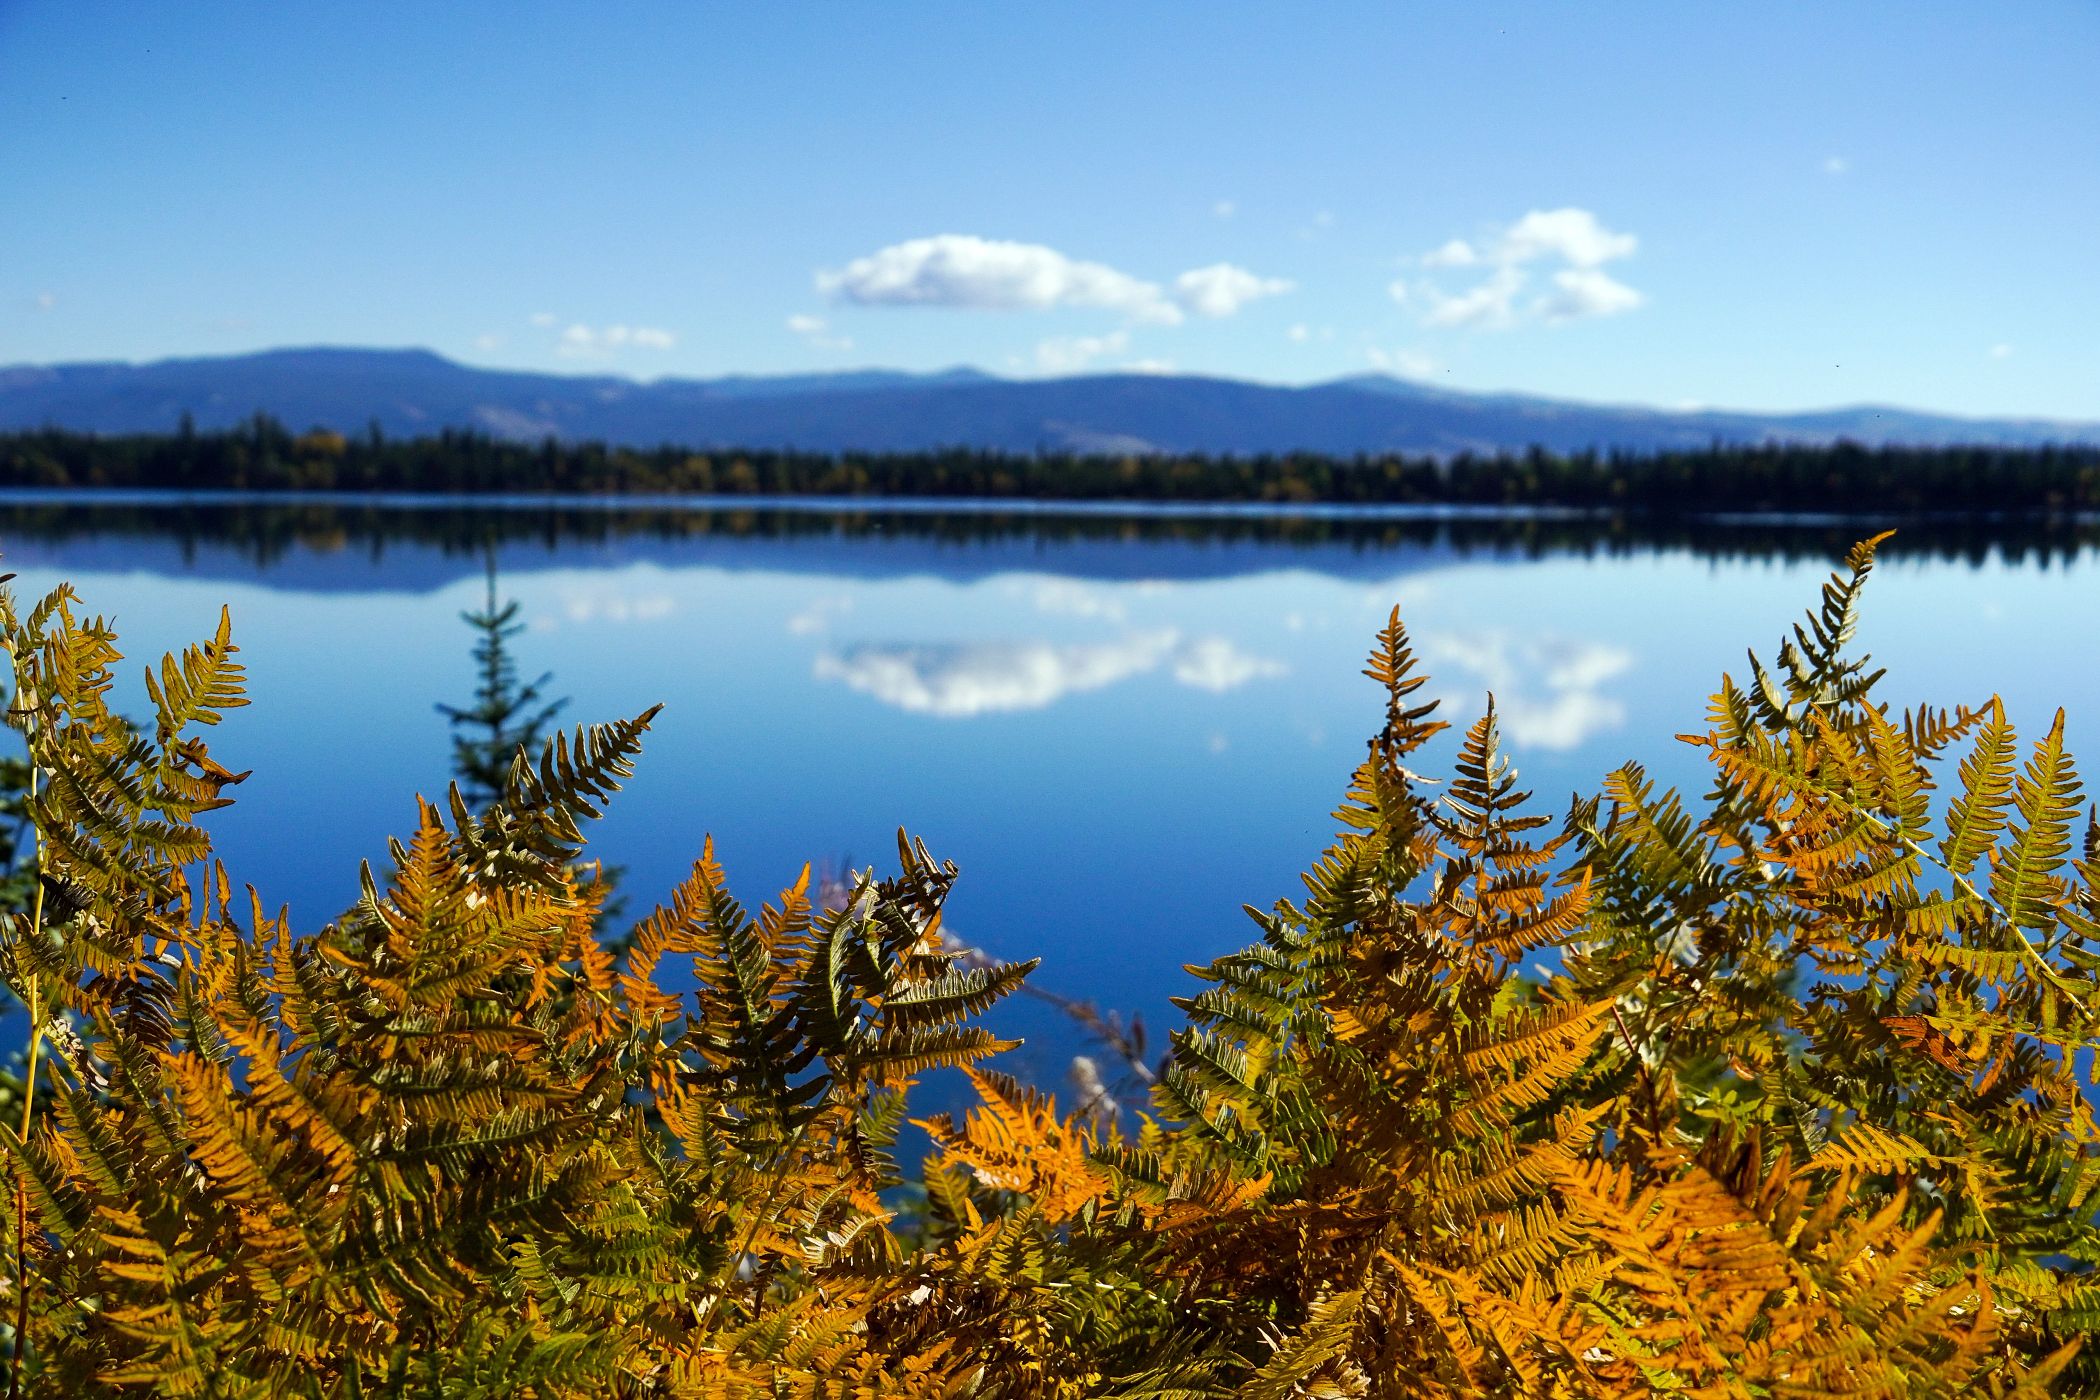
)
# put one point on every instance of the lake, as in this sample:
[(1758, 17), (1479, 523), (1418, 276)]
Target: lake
[(1122, 727)]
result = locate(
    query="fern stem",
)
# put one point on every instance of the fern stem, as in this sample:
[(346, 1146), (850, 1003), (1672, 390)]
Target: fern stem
[(779, 1179), (36, 1043)]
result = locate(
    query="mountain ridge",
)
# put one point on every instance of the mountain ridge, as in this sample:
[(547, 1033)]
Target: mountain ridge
[(413, 391)]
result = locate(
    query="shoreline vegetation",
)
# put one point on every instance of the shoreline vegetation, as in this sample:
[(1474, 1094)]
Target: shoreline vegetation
[(1842, 479)]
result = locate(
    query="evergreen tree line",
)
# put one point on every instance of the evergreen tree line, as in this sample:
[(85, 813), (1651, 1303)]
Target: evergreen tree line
[(1845, 477)]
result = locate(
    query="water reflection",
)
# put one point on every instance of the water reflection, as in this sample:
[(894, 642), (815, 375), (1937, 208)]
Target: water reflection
[(1551, 691), (958, 682), (1120, 729), (431, 543), (507, 713)]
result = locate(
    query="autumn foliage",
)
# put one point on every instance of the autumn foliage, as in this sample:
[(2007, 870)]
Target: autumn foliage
[(1779, 1090)]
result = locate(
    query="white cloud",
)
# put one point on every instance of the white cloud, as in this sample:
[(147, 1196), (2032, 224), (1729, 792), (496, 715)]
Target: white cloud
[(1549, 691), (1222, 289), (961, 682), (488, 340), (1151, 364), (46, 301), (1216, 665), (1224, 209), (544, 318), (1491, 305), (1573, 237), (1584, 291), (1456, 253), (2001, 351), (1317, 228), (1409, 364), (1397, 290), (1068, 354), (1836, 165), (817, 331), (961, 270), (964, 271), (1299, 333), (592, 341)]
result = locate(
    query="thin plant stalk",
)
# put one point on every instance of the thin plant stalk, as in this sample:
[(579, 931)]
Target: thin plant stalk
[(36, 1044)]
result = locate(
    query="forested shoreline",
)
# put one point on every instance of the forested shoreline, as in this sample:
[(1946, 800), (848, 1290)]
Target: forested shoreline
[(263, 455)]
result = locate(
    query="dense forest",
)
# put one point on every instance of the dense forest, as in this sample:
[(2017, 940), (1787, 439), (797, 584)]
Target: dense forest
[(1887, 482)]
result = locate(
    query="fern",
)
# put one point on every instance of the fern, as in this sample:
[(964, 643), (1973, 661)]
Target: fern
[(1781, 1091)]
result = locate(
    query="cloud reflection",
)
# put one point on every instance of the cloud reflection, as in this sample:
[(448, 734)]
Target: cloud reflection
[(602, 606), (1072, 598), (1216, 665), (1549, 691), (961, 681)]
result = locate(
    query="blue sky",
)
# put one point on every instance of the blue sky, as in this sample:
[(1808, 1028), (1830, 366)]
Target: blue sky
[(1766, 206)]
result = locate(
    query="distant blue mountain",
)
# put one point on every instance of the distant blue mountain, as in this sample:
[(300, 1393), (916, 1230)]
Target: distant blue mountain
[(414, 391)]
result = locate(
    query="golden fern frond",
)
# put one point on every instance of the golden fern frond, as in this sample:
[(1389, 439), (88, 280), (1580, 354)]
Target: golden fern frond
[(1319, 1342), (256, 1168), (1863, 1147), (1524, 1060), (1978, 813), (1499, 1177), (531, 835), (199, 687), (1408, 726), (1015, 1141), (1817, 672), (2024, 880)]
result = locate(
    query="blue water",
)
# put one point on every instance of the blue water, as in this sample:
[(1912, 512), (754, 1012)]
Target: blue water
[(1121, 735)]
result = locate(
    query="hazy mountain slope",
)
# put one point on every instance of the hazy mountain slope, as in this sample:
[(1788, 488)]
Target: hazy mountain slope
[(415, 391)]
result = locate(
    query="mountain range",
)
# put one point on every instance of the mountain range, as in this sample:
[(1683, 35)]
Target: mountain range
[(409, 392)]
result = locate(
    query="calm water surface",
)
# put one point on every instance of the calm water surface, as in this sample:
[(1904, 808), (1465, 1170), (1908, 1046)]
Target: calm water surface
[(1120, 731)]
